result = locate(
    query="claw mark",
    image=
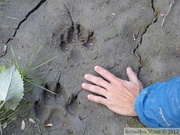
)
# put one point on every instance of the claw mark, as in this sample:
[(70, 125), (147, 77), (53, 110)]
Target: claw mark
[(89, 41), (72, 22), (72, 105), (36, 105), (63, 44), (47, 96), (71, 99), (79, 29), (76, 35), (70, 34), (58, 88)]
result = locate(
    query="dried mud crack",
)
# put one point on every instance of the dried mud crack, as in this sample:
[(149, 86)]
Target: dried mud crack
[(26, 17), (135, 51)]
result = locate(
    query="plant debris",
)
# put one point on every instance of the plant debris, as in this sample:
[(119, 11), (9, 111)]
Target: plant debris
[(165, 16), (22, 125), (48, 125), (31, 120)]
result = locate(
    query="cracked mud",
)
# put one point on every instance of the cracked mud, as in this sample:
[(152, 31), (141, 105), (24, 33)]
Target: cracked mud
[(111, 33)]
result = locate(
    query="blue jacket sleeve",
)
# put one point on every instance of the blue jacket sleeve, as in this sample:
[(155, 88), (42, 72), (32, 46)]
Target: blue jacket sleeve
[(158, 106)]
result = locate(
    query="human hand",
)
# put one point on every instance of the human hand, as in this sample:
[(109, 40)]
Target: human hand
[(117, 94)]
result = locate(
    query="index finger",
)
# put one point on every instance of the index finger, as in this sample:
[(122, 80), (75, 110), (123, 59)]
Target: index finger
[(105, 74)]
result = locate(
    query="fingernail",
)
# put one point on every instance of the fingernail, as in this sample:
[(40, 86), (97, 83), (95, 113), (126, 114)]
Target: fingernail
[(85, 76), (129, 68), (95, 67), (88, 96), (83, 84)]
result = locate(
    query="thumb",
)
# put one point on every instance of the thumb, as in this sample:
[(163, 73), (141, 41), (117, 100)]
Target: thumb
[(132, 75)]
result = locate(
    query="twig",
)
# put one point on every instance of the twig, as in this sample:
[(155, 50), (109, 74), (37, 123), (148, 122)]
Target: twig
[(170, 7)]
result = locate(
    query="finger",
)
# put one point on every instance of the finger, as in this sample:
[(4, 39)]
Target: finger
[(105, 73), (95, 89), (96, 80), (97, 99), (132, 75)]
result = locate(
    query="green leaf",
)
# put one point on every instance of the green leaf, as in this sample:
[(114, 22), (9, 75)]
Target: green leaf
[(11, 88), (2, 68)]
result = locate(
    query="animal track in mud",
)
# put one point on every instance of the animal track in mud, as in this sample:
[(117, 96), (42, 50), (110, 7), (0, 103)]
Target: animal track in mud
[(52, 106), (72, 105), (76, 35)]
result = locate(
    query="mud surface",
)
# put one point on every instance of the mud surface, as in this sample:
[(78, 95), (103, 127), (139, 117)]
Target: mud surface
[(81, 34)]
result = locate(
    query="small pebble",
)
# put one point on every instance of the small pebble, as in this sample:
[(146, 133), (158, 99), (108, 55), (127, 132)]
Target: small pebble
[(4, 48), (113, 14), (19, 58), (90, 44)]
